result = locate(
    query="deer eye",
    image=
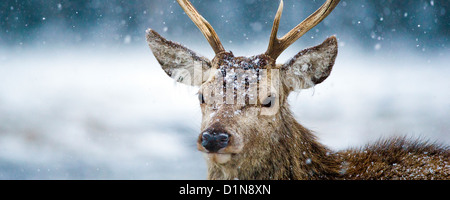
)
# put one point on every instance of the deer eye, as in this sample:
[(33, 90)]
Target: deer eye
[(201, 98), (268, 102)]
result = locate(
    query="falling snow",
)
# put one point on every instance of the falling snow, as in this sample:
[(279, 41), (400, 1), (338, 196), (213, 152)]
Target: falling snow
[(82, 96)]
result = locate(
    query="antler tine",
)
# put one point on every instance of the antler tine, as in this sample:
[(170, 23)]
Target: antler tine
[(203, 25), (278, 45), (273, 36)]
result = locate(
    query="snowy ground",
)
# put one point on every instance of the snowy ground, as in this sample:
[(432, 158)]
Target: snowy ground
[(85, 113)]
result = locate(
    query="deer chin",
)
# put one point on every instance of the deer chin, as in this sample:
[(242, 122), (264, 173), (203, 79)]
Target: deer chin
[(223, 156), (219, 158)]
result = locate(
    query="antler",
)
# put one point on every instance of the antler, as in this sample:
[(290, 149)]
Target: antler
[(278, 45), (203, 25)]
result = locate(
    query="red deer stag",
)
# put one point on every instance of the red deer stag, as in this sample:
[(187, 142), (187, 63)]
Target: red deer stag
[(248, 130)]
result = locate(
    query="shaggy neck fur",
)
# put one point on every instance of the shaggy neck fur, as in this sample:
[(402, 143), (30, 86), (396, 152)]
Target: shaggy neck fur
[(291, 153)]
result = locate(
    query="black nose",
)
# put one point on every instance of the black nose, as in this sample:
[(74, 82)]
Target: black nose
[(214, 141)]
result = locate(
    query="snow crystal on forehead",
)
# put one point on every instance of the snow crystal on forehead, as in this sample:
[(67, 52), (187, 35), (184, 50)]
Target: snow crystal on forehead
[(254, 62)]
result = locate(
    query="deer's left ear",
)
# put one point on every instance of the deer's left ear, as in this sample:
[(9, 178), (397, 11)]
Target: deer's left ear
[(179, 62), (311, 66)]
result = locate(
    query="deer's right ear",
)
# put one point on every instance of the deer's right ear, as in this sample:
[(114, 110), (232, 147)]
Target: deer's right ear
[(180, 63), (311, 66)]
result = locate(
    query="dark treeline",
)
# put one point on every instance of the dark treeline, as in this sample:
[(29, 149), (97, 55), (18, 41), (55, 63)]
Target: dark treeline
[(426, 23)]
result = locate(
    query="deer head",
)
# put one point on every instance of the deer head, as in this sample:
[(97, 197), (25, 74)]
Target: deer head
[(245, 114)]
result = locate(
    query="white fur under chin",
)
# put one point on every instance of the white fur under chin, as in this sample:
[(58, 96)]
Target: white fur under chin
[(217, 158)]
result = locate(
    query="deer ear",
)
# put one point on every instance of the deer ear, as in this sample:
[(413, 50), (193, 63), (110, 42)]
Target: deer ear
[(311, 66), (180, 63)]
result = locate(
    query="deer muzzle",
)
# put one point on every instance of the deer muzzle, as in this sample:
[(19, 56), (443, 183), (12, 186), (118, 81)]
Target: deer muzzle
[(214, 141)]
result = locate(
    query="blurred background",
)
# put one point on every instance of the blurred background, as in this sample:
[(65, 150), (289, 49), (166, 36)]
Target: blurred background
[(82, 97)]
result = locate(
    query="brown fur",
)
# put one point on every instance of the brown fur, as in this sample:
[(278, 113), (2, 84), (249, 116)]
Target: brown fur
[(396, 159), (291, 154), (276, 146)]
